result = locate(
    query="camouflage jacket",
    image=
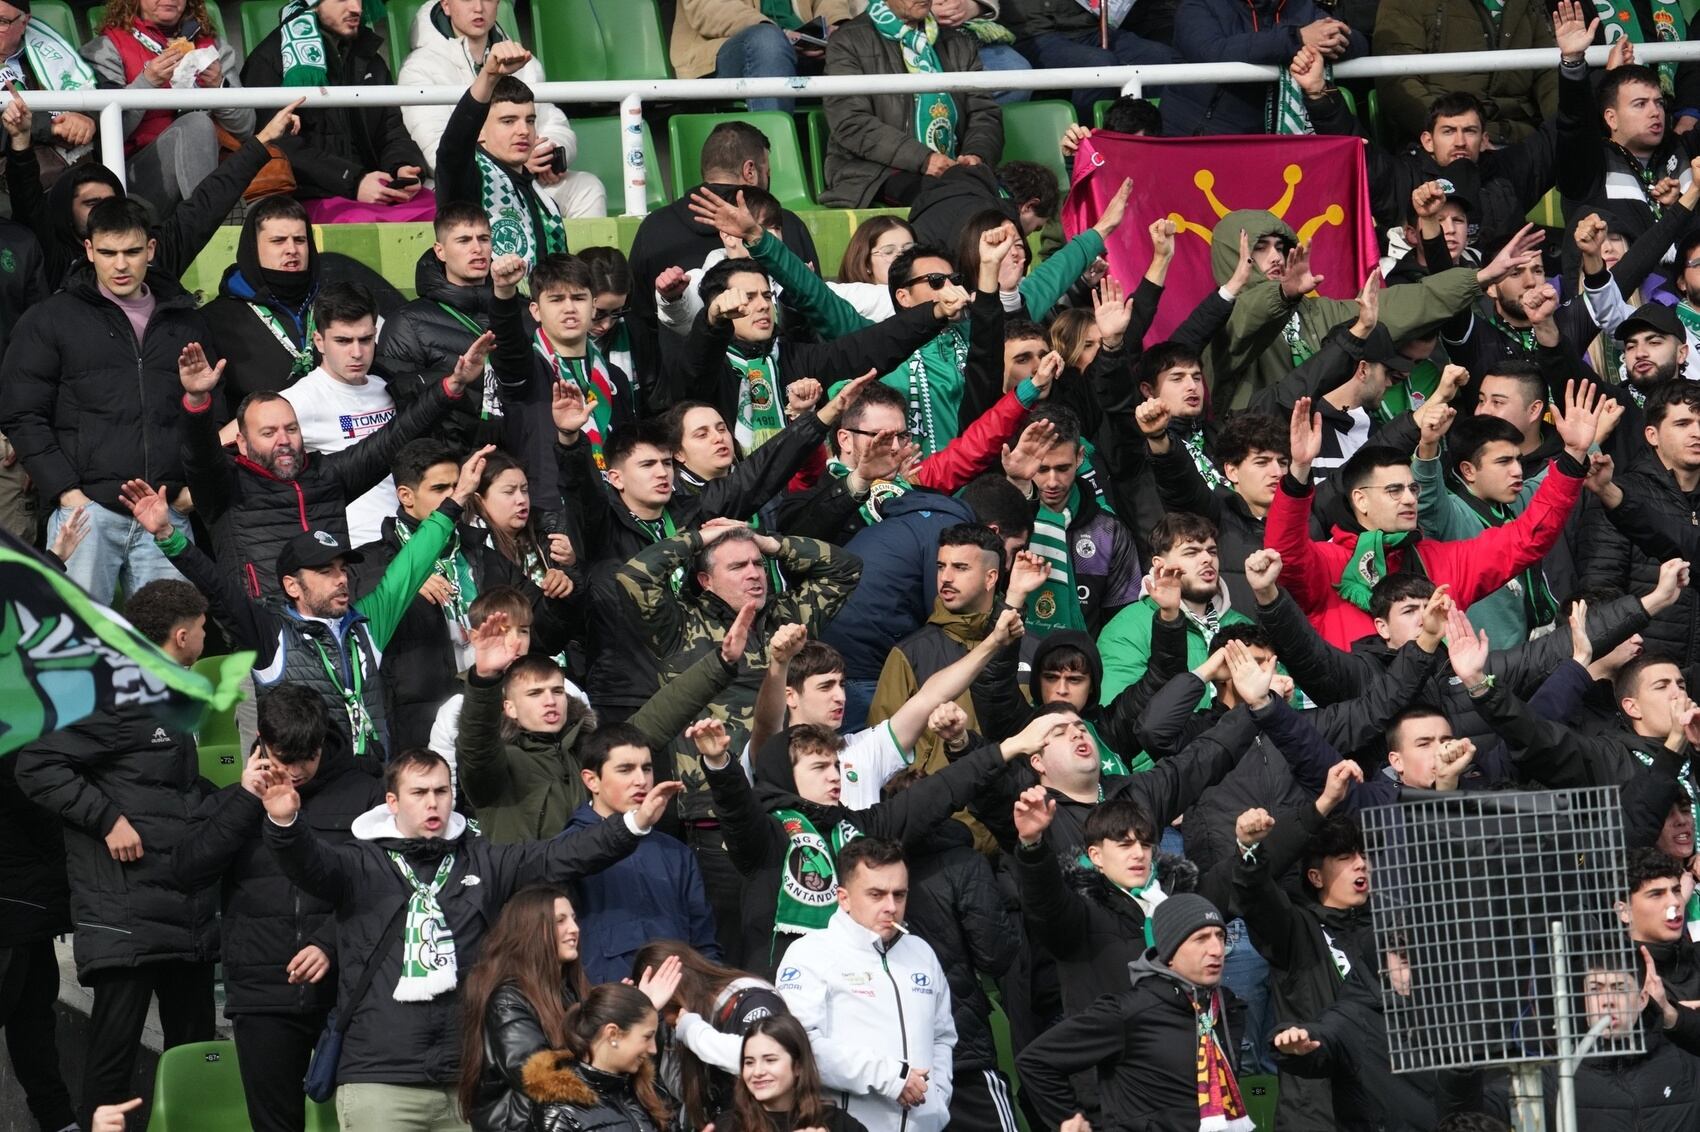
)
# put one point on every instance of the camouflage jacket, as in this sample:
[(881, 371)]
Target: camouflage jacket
[(679, 628)]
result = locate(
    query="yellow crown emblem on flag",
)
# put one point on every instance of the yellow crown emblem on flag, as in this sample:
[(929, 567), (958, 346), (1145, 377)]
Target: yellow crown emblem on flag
[(1205, 179)]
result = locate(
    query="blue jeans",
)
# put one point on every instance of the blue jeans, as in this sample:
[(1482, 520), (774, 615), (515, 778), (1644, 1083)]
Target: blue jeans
[(1003, 57), (759, 52), (116, 549), (1054, 49), (858, 694), (1246, 973)]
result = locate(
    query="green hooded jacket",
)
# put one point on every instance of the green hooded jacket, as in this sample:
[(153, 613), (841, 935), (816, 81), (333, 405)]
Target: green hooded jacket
[(1251, 353)]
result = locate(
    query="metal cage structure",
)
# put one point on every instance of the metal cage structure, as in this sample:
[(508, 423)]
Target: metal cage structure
[(1495, 914)]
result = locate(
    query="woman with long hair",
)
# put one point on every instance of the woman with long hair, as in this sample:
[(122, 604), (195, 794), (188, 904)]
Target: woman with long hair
[(604, 1076), (516, 1001), (503, 503), (875, 243), (707, 1016), (778, 1087)]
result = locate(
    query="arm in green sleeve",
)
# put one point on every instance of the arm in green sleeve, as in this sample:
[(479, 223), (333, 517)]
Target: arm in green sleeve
[(806, 291), (385, 606), (1259, 313), (682, 699), (1410, 307), (1441, 514), (1050, 281)]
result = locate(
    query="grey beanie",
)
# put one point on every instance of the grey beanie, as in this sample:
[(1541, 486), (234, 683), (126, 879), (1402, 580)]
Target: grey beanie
[(1177, 918)]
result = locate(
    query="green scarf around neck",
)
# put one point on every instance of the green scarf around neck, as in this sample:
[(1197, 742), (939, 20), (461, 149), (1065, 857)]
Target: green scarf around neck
[(524, 220), (1056, 603), (428, 966), (935, 112), (1368, 565), (808, 880), (761, 416)]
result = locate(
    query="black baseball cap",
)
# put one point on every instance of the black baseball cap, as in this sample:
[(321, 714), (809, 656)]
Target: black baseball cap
[(1650, 316), (1379, 347), (313, 548), (1459, 192)]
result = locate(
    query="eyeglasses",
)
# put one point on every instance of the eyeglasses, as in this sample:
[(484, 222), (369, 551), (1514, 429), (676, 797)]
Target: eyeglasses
[(891, 251), (609, 316), (6, 23), (1397, 490), (935, 280), (903, 437)]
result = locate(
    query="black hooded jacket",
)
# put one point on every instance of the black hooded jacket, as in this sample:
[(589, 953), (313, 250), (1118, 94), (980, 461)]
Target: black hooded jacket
[(266, 919), (672, 237), (33, 889), (760, 848), (956, 905), (257, 360), (123, 764), (423, 341)]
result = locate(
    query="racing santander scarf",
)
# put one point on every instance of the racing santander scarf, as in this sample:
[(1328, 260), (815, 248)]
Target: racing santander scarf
[(760, 416), (1220, 1106), (590, 374), (1109, 762), (808, 880), (1056, 603), (56, 64), (1690, 319), (454, 569), (304, 60), (930, 371), (1293, 332), (1368, 565), (301, 351), (878, 492), (1147, 896), (517, 213), (1284, 107), (1193, 442), (935, 112), (1670, 25), (427, 950)]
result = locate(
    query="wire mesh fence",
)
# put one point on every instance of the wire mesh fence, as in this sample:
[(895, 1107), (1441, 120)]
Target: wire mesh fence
[(1468, 887)]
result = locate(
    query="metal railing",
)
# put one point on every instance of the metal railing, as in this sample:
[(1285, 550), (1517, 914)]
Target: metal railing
[(109, 105)]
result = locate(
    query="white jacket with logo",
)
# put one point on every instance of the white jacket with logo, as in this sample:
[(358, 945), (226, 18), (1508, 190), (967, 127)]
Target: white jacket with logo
[(870, 1011)]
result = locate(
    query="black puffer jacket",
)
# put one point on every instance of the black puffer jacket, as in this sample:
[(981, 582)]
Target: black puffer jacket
[(422, 342), (257, 360), (116, 764), (338, 146), (1658, 520), (955, 904), (412, 1043), (35, 902), (512, 1037), (570, 1096), (760, 849), (84, 405), (266, 918), (1330, 676), (252, 513), (419, 661)]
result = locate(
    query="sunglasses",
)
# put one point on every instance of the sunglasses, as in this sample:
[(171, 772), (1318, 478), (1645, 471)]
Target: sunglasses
[(935, 280)]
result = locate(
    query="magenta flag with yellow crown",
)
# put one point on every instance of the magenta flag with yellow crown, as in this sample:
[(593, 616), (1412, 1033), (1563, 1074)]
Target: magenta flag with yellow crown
[(1317, 185)]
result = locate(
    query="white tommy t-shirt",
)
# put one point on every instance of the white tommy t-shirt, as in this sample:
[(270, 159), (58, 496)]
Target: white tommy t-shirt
[(869, 759), (335, 415)]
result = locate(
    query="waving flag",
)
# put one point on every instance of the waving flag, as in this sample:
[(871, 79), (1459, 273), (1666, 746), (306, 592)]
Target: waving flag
[(1316, 184), (64, 656)]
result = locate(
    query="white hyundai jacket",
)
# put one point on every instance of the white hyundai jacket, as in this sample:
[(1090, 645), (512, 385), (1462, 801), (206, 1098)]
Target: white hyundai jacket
[(437, 61), (868, 1012)]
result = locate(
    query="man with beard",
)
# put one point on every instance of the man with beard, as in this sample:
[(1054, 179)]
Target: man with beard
[(255, 502), (321, 638), (1501, 325)]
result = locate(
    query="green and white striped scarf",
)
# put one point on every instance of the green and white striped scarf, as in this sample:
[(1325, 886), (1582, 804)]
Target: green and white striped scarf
[(761, 417), (1284, 110), (515, 210), (935, 112), (428, 950), (1056, 603), (304, 59), (57, 66)]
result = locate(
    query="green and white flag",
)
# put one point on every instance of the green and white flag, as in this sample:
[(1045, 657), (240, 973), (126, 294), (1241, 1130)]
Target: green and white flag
[(64, 656)]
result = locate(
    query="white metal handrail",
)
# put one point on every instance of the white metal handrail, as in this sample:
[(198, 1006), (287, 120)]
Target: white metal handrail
[(109, 105)]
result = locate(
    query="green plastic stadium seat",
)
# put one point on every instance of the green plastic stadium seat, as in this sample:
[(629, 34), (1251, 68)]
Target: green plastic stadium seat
[(814, 126), (1032, 131), (399, 16), (96, 14), (197, 1088), (1099, 109), (57, 15), (599, 40), (218, 743), (1260, 1092), (788, 180), (259, 19), (599, 152)]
